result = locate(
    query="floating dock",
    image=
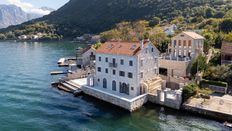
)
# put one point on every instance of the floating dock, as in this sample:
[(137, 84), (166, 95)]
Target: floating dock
[(58, 72)]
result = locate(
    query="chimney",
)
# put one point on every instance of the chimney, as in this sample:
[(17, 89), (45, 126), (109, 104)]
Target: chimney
[(142, 44)]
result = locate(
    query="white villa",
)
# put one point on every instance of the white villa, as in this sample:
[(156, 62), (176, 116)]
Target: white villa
[(127, 75), (123, 67), (184, 48)]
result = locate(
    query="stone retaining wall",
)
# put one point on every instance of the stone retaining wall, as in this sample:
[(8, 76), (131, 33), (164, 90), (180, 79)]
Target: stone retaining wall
[(127, 104), (208, 113)]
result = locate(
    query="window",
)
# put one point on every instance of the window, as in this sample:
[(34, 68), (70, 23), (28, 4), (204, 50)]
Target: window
[(106, 59), (114, 85), (99, 58), (130, 75), (124, 88), (106, 70), (155, 71), (184, 42), (141, 75), (130, 63), (132, 88), (152, 49), (141, 63), (122, 62), (174, 43), (179, 42), (98, 80), (99, 69), (114, 72), (104, 83), (190, 43), (121, 73), (114, 60)]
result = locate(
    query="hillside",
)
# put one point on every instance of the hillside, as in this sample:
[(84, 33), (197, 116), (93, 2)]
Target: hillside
[(95, 16)]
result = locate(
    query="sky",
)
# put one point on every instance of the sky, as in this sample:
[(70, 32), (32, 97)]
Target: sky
[(32, 6)]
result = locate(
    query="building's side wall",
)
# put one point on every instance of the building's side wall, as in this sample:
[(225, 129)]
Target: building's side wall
[(148, 63), (86, 56), (110, 77), (175, 68)]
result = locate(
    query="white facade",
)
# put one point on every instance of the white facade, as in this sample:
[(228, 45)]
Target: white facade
[(182, 50), (186, 44), (124, 74)]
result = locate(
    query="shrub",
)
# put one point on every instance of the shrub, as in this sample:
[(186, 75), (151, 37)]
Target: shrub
[(216, 83), (189, 91)]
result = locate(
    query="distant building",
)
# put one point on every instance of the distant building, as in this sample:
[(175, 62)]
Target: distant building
[(170, 30), (86, 57), (183, 48), (22, 37), (226, 53)]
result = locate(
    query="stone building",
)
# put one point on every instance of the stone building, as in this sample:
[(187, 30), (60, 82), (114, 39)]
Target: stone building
[(183, 48), (86, 57), (123, 67), (226, 53)]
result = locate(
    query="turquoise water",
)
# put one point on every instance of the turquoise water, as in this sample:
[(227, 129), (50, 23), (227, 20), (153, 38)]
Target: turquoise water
[(28, 102)]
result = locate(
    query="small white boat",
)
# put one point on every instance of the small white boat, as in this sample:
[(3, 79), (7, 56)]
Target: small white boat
[(227, 124)]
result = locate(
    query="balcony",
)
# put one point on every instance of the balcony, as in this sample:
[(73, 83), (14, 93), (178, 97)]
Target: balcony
[(113, 65)]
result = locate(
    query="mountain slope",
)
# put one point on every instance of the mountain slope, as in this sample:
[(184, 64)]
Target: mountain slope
[(94, 16), (13, 15)]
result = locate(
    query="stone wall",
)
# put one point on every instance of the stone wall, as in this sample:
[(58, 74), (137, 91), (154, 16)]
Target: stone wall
[(130, 105), (161, 98), (175, 68)]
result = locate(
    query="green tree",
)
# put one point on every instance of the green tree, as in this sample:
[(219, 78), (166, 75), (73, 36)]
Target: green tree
[(228, 14), (226, 25), (199, 65), (209, 40), (209, 12), (154, 21), (218, 40), (228, 37), (189, 91)]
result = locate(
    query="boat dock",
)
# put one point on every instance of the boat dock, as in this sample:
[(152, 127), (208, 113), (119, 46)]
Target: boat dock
[(218, 107), (58, 72)]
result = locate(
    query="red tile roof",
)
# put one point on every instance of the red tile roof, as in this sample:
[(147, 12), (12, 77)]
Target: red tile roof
[(120, 48)]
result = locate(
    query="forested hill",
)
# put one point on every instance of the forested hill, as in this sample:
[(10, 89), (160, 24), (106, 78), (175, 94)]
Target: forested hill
[(94, 16)]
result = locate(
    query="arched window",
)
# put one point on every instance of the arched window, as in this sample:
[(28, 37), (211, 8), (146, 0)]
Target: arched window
[(104, 83), (114, 85), (124, 88)]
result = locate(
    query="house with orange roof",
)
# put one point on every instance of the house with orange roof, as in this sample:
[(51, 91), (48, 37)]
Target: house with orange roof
[(123, 67)]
